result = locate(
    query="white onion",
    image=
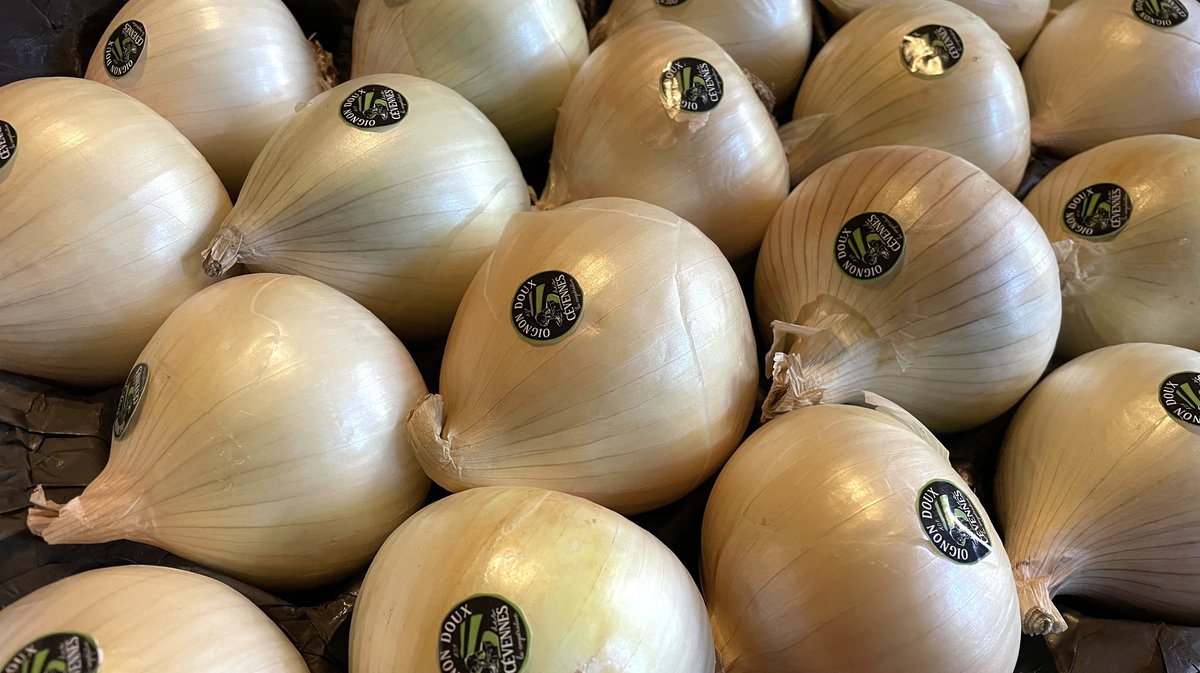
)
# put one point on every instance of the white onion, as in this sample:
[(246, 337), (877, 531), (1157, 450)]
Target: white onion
[(226, 73), (397, 206), (837, 539), (1124, 219), (556, 583), (104, 208), (626, 130), (142, 619), (954, 320), (632, 400), (1096, 482), (1016, 21), (861, 92), (513, 59), (261, 434)]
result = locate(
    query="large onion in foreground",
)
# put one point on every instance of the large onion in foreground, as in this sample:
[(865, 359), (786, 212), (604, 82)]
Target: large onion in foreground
[(523, 579), (104, 209), (260, 434)]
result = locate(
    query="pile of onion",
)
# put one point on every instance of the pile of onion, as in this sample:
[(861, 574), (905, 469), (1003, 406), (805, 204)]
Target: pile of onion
[(838, 538), (261, 434), (910, 273), (926, 73), (226, 73), (604, 350), (1124, 219), (104, 209), (1016, 21), (390, 188), (1096, 485), (660, 113), (523, 579)]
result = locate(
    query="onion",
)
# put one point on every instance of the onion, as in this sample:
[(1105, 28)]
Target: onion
[(878, 81), (104, 208), (631, 127), (838, 539), (1016, 21), (770, 38), (604, 350), (1124, 219), (910, 273), (261, 435), (513, 59), (552, 582), (142, 619), (1095, 484), (397, 206), (1108, 69), (226, 73)]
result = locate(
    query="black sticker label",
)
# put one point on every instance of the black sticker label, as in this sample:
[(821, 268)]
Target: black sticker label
[(8, 143), (869, 246), (483, 634), (953, 523), (931, 51), (1180, 396), (65, 652), (1100, 211), (124, 48), (131, 400), (691, 85), (1161, 13), (669, 3), (374, 107), (547, 306)]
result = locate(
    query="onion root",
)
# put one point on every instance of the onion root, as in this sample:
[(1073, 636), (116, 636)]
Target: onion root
[(223, 252), (1039, 617)]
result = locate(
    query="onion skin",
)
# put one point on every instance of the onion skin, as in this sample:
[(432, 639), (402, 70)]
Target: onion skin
[(104, 209), (147, 619), (957, 332), (636, 406), (1135, 93), (1016, 21), (1140, 285), (269, 444), (814, 558), (598, 593), (194, 73), (1093, 489)]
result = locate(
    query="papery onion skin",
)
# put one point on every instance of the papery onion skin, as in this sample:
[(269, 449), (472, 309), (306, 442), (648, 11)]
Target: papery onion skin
[(513, 59), (722, 170), (636, 406), (858, 93), (148, 619), (1095, 487), (1098, 73), (399, 218), (1139, 285), (1016, 21), (226, 73), (269, 444), (960, 328), (814, 556), (598, 593), (770, 38), (104, 208)]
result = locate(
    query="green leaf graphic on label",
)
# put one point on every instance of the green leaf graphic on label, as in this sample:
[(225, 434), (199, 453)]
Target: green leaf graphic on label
[(124, 48), (66, 652), (484, 634), (374, 107), (1098, 212), (953, 523), (691, 85), (1189, 396)]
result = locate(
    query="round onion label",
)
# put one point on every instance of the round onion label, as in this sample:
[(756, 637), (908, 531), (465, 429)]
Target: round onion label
[(1161, 13), (547, 307), (953, 523), (131, 399), (869, 246), (124, 48), (374, 107), (1179, 394), (8, 143), (66, 652), (483, 634), (1098, 212), (691, 85), (932, 50)]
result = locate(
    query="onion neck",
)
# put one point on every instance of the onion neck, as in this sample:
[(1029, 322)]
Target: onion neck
[(801, 143), (88, 519), (434, 450), (790, 388), (1039, 616), (223, 251)]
